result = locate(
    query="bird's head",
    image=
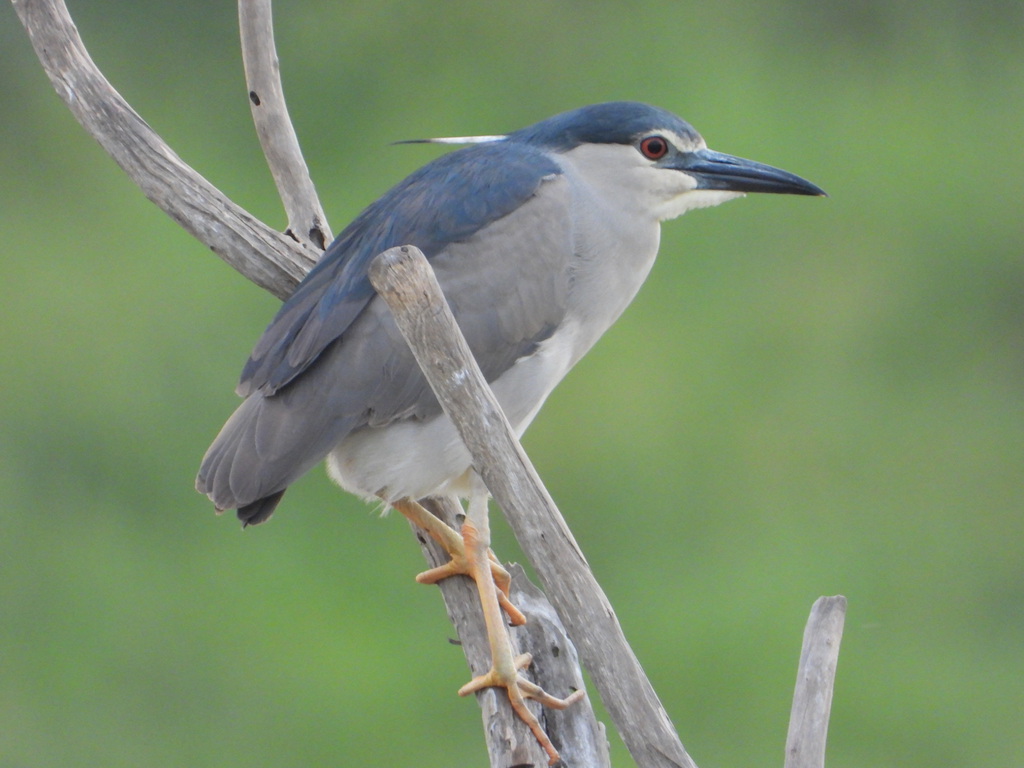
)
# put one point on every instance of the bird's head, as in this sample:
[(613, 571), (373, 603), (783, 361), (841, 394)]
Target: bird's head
[(653, 159)]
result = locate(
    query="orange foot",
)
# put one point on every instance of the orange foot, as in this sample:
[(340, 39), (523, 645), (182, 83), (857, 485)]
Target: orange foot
[(520, 689), (453, 544), (471, 556)]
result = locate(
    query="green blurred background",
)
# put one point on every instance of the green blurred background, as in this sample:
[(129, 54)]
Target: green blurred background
[(808, 397)]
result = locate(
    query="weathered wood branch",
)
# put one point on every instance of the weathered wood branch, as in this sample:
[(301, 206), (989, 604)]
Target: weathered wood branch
[(405, 280), (307, 221), (268, 258), (815, 678)]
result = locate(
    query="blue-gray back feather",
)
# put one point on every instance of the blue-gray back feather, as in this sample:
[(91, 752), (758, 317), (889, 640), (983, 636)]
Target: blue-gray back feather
[(495, 222), (446, 201)]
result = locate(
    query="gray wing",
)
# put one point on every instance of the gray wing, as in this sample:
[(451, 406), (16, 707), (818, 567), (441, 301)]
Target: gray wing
[(447, 201), (507, 284)]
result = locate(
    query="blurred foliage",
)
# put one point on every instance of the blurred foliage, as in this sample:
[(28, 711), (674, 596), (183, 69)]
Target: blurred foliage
[(808, 397)]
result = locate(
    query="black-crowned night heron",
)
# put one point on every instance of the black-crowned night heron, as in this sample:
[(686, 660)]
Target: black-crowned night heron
[(539, 239)]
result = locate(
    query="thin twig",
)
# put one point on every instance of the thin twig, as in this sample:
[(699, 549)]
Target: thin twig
[(266, 257), (815, 679), (405, 280), (307, 221)]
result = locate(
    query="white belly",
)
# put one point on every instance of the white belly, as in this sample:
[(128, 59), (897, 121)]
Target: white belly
[(425, 458)]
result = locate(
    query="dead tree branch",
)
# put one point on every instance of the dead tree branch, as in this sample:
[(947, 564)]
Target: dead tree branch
[(403, 277), (815, 679), (307, 221), (272, 260)]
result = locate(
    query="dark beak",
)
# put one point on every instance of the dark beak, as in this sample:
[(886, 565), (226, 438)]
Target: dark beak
[(715, 170)]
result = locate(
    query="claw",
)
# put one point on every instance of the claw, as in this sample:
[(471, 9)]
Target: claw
[(519, 689), (453, 544)]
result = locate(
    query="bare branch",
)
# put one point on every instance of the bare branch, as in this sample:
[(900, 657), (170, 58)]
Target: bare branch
[(271, 260), (575, 731), (307, 221), (815, 678), (405, 280)]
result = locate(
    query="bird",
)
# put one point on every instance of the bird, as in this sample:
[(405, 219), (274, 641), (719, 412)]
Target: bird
[(539, 238)]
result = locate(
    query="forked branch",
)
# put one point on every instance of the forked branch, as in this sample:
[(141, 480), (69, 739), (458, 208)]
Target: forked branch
[(405, 280), (268, 258)]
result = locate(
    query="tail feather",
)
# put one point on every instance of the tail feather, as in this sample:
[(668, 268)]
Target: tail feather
[(262, 449), (259, 511)]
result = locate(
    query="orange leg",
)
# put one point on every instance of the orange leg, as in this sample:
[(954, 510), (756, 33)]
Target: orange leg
[(477, 561), (454, 545)]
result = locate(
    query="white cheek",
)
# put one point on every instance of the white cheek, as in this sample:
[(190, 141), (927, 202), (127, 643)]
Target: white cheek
[(692, 199)]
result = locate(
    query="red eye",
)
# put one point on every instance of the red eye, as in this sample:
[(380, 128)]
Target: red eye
[(654, 147)]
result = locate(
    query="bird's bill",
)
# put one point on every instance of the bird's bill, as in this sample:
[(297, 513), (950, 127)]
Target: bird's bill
[(716, 170)]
